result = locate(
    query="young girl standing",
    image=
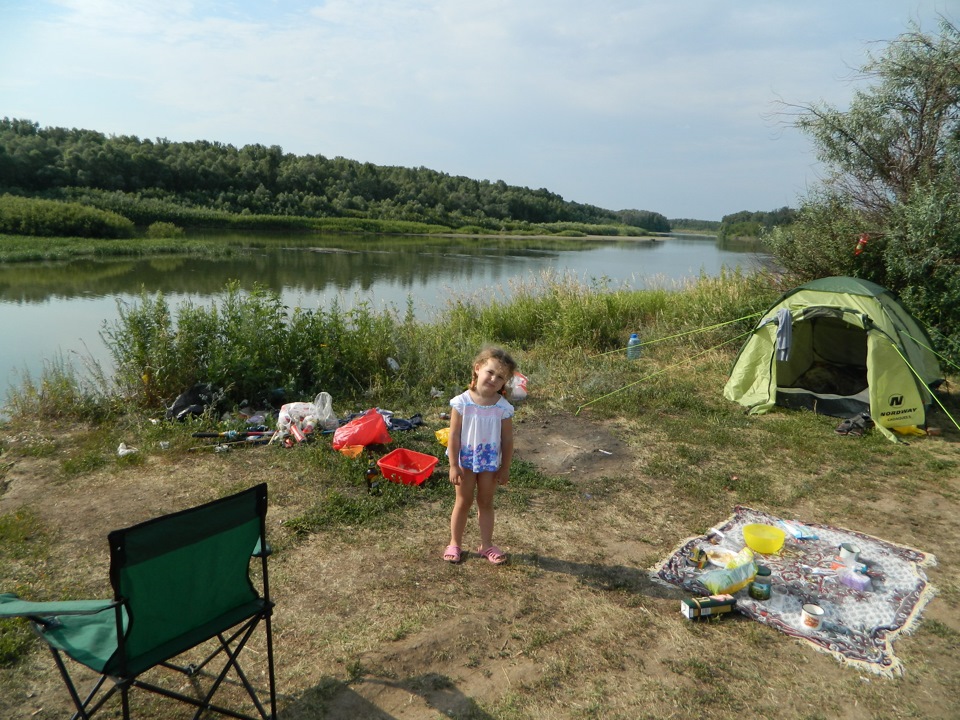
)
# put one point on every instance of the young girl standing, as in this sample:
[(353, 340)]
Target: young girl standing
[(480, 449)]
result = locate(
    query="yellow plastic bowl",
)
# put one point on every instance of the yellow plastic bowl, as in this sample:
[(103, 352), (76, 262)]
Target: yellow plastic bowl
[(764, 539)]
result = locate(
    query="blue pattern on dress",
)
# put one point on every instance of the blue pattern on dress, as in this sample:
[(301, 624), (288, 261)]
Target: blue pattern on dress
[(483, 458)]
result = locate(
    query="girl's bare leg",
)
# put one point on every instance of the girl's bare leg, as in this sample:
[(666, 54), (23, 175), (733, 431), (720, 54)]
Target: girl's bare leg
[(461, 507), (486, 488)]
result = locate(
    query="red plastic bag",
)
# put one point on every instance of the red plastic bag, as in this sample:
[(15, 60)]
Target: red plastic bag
[(368, 429)]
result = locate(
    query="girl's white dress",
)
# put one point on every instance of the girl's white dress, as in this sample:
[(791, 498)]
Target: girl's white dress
[(480, 432)]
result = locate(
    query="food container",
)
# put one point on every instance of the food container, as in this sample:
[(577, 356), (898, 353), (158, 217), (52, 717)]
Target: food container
[(760, 586), (700, 607), (698, 558), (407, 466), (764, 539), (812, 616), (849, 553), (857, 581)]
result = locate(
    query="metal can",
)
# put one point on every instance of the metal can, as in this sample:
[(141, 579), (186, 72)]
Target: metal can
[(698, 558)]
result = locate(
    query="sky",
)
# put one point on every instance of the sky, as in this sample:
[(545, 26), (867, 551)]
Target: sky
[(673, 107)]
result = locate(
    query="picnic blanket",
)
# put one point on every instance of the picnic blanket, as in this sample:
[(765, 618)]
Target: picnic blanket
[(860, 626)]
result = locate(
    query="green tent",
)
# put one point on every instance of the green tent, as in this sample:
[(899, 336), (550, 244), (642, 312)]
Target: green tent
[(838, 346)]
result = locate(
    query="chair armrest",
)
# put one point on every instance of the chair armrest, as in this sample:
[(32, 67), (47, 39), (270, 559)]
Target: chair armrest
[(12, 606)]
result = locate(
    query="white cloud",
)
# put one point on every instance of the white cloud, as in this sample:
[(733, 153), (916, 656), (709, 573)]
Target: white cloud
[(620, 103)]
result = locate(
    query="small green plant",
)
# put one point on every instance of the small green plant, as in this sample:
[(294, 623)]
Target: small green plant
[(87, 462)]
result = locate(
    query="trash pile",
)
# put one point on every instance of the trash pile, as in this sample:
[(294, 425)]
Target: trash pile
[(304, 422)]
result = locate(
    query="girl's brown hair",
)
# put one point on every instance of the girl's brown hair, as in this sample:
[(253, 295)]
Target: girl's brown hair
[(501, 356)]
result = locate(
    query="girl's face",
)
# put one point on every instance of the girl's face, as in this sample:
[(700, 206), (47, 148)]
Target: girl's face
[(491, 377)]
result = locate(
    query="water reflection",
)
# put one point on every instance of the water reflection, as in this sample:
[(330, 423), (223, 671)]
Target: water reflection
[(54, 308)]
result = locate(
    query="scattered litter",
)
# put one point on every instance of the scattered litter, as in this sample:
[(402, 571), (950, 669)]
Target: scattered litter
[(517, 387), (195, 402), (370, 428), (125, 450), (393, 364), (305, 418), (605, 452), (436, 393)]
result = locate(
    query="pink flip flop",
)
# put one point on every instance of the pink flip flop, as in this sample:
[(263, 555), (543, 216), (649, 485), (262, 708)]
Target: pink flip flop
[(452, 554), (494, 554)]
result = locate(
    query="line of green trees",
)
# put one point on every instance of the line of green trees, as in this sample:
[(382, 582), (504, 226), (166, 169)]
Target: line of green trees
[(694, 225), (149, 180), (745, 224)]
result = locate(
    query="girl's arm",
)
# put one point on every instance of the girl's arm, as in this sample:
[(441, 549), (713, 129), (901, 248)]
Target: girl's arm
[(506, 451), (453, 446)]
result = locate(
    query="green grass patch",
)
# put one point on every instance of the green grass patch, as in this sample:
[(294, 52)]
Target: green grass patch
[(24, 543)]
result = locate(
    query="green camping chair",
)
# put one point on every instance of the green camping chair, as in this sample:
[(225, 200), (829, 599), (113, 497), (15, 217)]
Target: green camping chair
[(179, 581)]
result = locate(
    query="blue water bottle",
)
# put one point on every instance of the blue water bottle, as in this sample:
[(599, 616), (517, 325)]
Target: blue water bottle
[(633, 347)]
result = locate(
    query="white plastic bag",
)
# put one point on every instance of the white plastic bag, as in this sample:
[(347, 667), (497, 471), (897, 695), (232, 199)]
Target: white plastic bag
[(307, 416), (517, 387), (326, 418)]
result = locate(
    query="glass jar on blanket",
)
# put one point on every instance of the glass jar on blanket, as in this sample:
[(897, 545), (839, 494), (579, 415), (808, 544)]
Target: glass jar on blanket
[(761, 583)]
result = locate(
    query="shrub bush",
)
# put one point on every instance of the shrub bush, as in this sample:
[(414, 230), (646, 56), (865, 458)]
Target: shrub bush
[(164, 230), (51, 218)]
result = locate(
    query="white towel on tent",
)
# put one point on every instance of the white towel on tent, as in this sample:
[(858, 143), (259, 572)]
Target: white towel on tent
[(784, 334)]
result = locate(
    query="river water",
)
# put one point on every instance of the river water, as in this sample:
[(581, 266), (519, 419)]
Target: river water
[(54, 311)]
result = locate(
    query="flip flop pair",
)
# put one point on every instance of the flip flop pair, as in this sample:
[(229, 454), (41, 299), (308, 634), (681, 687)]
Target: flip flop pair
[(453, 554)]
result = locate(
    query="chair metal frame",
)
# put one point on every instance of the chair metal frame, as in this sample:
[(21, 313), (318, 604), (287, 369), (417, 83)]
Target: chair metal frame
[(203, 533)]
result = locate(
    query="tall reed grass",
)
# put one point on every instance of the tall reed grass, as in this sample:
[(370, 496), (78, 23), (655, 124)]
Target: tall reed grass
[(569, 334)]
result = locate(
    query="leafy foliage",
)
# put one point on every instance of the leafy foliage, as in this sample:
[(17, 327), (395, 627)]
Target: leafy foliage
[(693, 225), (254, 348), (150, 180), (27, 216), (754, 224), (900, 132), (164, 230), (894, 168)]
